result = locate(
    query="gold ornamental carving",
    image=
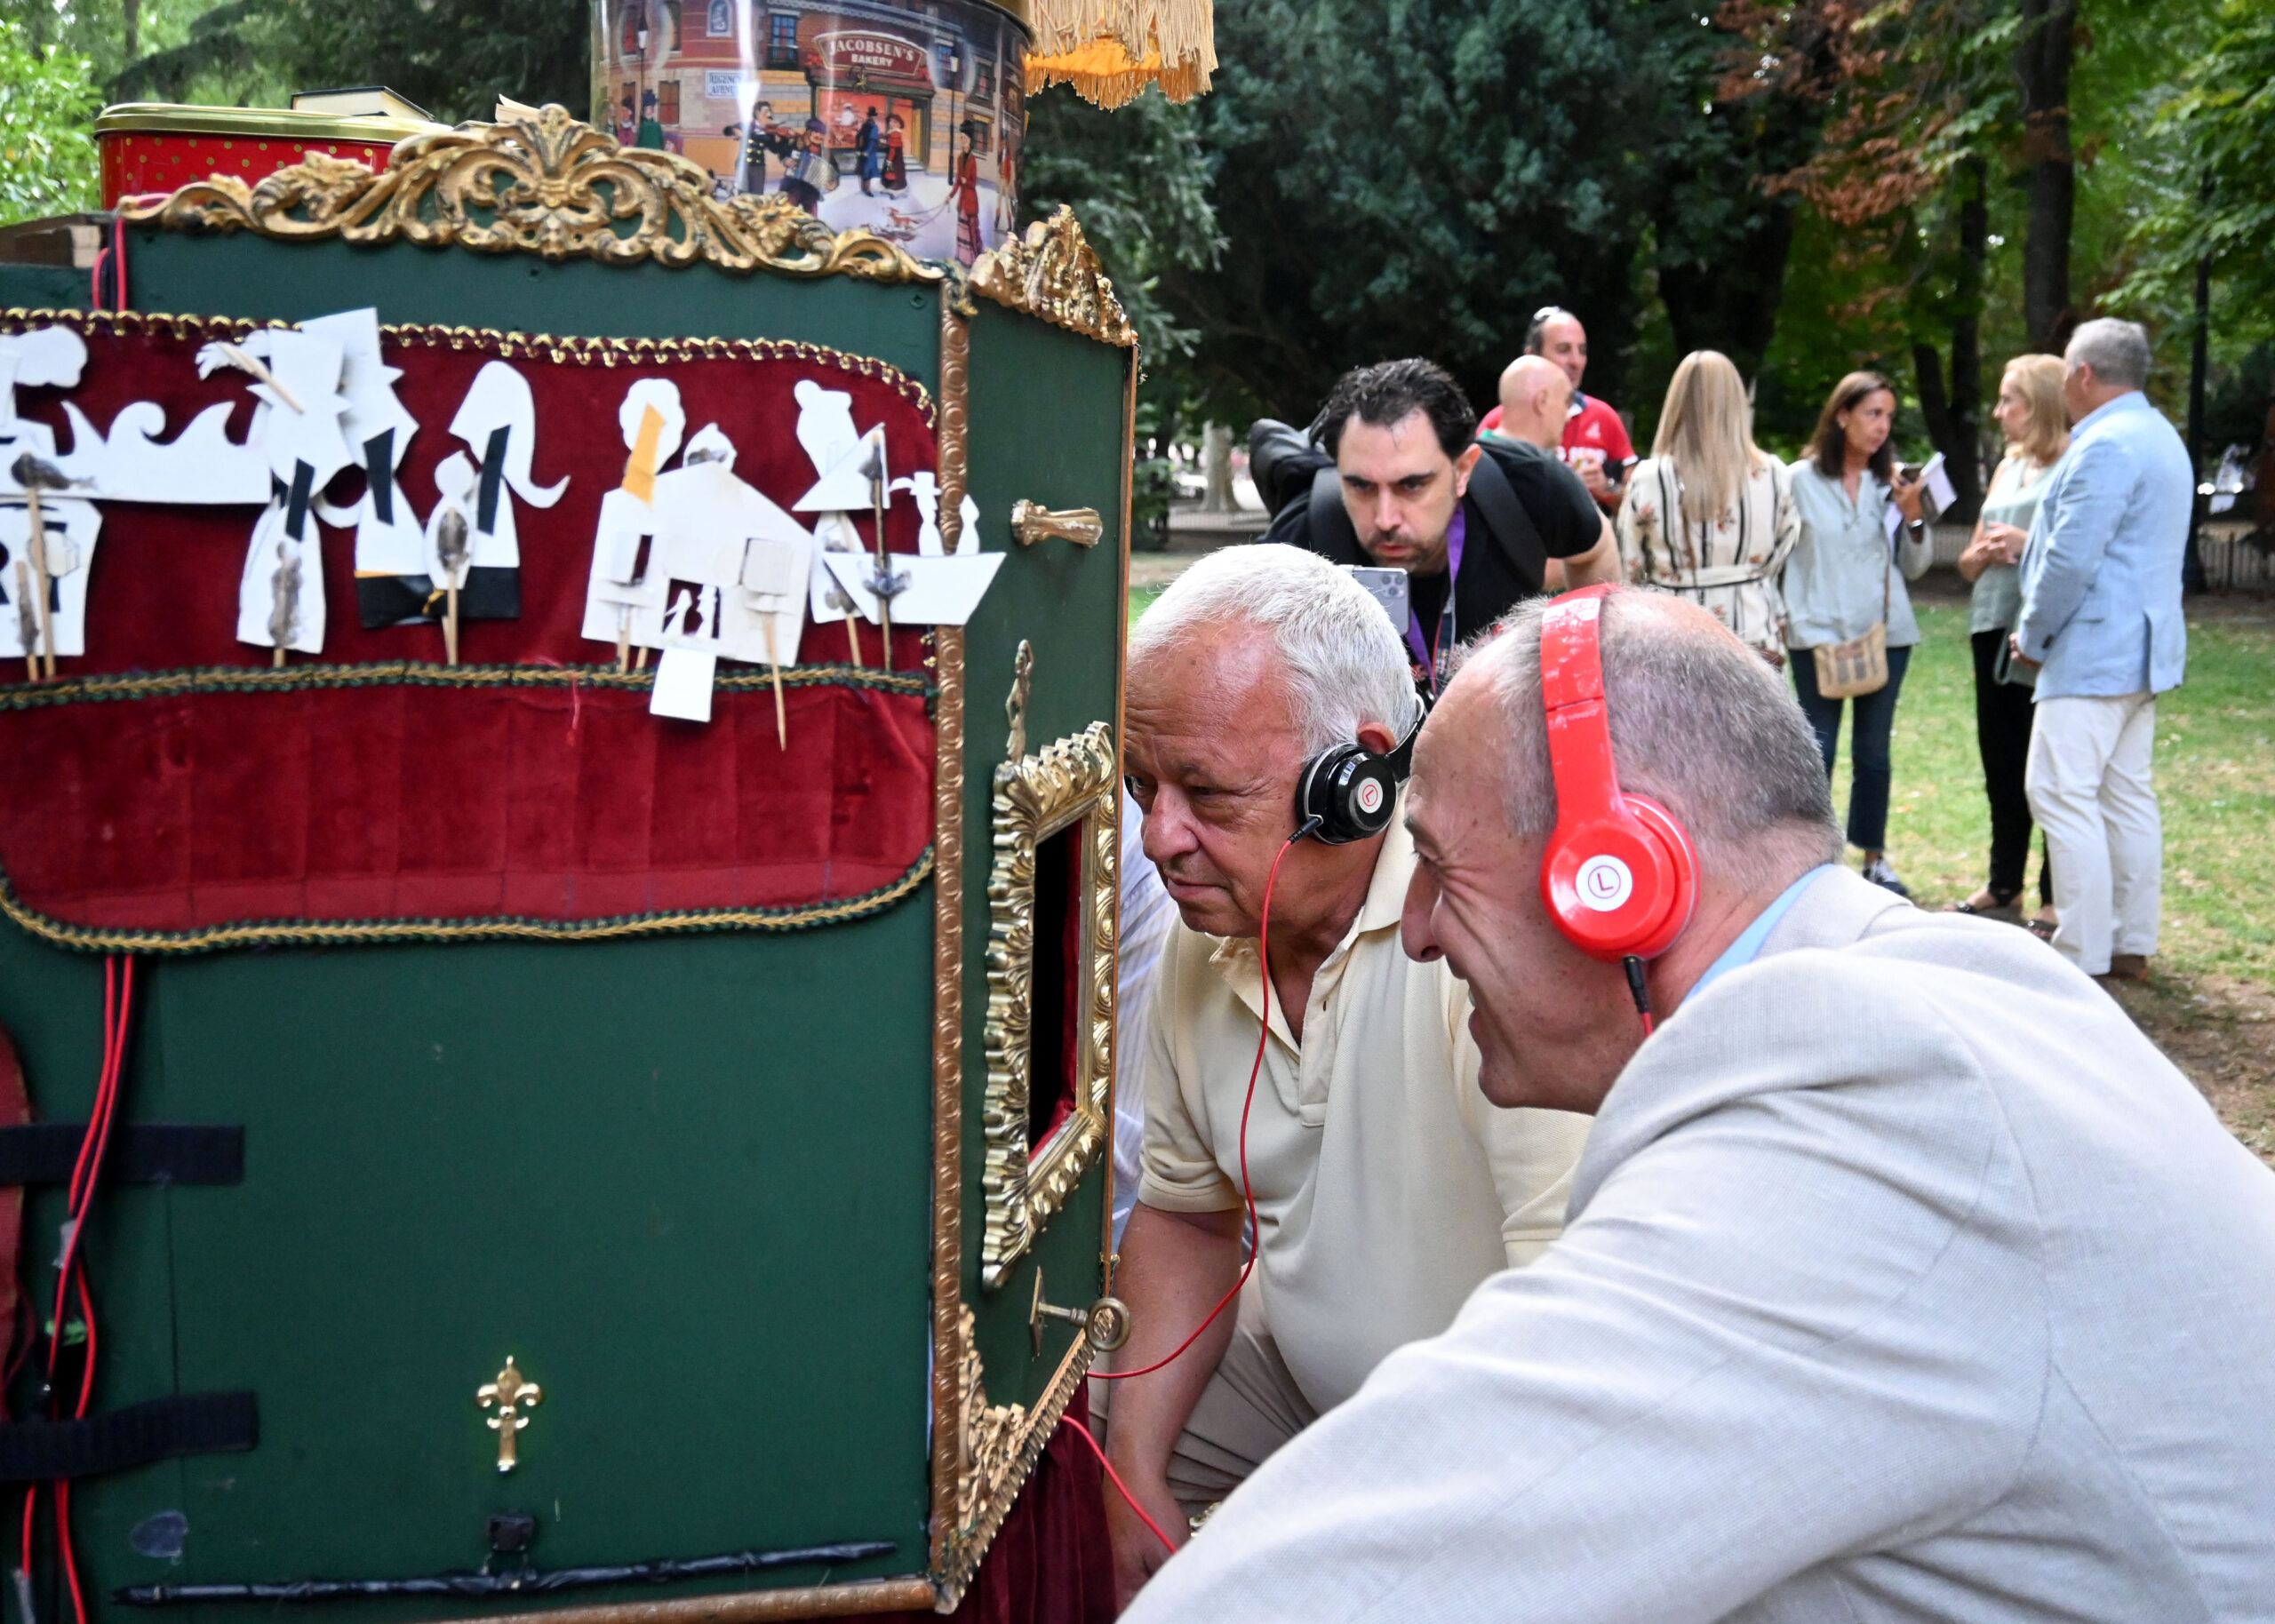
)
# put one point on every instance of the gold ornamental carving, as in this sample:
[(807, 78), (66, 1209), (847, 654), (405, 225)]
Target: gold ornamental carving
[(547, 185), (1023, 1184), (1053, 274), (996, 1448), (512, 1396)]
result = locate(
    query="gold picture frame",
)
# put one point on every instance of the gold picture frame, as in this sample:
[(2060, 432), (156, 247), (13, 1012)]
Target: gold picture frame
[(1075, 780)]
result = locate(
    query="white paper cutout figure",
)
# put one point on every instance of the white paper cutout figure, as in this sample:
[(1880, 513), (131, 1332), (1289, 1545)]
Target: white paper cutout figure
[(390, 550), (498, 421), (71, 524), (845, 487), (55, 357), (934, 592), (731, 569), (280, 597), (931, 587), (826, 434), (449, 528), (825, 424), (714, 531), (925, 490), (623, 591)]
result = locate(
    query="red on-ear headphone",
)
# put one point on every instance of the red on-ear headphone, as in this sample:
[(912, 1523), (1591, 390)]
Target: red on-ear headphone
[(1620, 875)]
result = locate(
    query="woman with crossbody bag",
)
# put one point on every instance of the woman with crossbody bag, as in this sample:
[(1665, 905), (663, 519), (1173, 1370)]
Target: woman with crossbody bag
[(1848, 621), (1708, 515)]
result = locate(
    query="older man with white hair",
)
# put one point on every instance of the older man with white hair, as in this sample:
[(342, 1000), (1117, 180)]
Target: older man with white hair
[(2102, 619), (1386, 1187), (1903, 1280)]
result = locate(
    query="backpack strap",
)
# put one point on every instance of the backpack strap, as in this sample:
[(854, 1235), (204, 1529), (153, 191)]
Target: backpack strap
[(1333, 535), (1505, 517)]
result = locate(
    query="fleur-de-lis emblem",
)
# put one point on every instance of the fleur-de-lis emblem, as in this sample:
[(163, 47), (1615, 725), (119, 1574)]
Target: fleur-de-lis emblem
[(512, 1398)]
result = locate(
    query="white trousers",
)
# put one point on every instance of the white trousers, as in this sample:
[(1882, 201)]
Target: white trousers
[(2090, 790)]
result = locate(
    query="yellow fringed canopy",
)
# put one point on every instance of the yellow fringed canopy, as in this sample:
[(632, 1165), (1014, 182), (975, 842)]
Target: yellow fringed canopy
[(1111, 50)]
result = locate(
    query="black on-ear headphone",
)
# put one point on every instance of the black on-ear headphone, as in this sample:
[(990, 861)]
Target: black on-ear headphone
[(1346, 793)]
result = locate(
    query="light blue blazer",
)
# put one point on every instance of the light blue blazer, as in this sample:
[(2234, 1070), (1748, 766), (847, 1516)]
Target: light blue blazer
[(2101, 574)]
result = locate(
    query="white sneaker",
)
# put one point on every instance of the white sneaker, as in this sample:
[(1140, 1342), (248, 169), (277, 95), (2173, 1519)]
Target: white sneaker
[(1879, 872)]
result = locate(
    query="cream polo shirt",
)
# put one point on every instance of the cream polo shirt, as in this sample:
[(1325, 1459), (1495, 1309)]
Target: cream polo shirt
[(1386, 1186)]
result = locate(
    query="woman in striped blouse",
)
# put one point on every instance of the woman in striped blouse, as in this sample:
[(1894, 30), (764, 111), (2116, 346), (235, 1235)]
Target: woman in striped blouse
[(1708, 515)]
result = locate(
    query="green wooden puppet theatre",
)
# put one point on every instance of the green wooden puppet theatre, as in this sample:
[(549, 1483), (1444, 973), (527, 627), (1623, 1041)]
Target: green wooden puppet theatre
[(562, 749)]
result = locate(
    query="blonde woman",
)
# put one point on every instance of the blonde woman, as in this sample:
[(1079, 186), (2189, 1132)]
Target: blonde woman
[(1709, 516), (2036, 422)]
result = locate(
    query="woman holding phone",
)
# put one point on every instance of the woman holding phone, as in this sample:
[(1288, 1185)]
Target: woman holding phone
[(1848, 621), (2030, 412)]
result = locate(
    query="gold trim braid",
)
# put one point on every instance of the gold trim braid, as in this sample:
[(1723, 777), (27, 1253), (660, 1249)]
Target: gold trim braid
[(563, 350), (342, 933), (746, 1607), (950, 1336), (547, 184), (412, 673)]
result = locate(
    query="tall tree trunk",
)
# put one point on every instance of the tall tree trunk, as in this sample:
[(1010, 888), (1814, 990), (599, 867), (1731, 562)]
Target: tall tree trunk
[(1964, 454), (2042, 66), (1731, 305), (1216, 468), (133, 17)]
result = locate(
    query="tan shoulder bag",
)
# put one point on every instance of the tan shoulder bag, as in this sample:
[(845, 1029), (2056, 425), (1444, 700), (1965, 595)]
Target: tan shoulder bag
[(1844, 670)]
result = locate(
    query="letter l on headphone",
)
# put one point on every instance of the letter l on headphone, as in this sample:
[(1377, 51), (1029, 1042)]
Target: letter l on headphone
[(1620, 876)]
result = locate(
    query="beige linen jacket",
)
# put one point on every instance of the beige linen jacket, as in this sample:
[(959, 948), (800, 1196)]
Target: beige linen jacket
[(1903, 1280)]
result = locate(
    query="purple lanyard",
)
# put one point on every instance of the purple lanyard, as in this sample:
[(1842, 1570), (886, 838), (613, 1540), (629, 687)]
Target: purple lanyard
[(1433, 655)]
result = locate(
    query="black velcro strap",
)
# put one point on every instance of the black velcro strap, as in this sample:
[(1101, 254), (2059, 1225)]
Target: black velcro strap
[(139, 1153), (187, 1424)]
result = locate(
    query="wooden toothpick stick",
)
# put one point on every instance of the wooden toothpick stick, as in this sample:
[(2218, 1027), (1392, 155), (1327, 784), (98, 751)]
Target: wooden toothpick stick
[(884, 559), (40, 579), (243, 362), (781, 715)]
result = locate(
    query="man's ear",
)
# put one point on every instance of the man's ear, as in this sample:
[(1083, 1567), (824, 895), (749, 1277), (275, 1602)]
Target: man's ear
[(1377, 738), (1462, 464)]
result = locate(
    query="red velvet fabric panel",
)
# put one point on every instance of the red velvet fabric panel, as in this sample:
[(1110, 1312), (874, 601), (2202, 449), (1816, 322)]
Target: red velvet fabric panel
[(1049, 1563), (415, 799)]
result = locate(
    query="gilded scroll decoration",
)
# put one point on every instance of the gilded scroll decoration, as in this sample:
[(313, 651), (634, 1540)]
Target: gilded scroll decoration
[(1053, 274), (997, 1446), (547, 184), (1021, 1182)]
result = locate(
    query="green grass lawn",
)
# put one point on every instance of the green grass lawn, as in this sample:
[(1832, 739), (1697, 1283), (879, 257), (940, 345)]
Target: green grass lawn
[(2216, 775)]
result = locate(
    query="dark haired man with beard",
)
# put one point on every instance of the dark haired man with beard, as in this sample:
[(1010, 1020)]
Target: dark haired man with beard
[(1477, 525)]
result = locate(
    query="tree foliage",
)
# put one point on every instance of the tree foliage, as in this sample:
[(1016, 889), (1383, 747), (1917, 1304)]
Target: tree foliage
[(47, 148), (2221, 118), (1411, 177), (1139, 182), (454, 58)]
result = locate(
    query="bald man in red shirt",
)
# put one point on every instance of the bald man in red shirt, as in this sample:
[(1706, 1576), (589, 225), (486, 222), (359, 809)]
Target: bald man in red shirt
[(1595, 440)]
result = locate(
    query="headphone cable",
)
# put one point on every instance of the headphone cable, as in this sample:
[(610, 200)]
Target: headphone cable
[(1248, 1190), (1639, 990)]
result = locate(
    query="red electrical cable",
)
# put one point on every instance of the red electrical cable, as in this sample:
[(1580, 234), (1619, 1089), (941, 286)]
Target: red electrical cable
[(87, 1176), (1248, 1190), (1120, 1486)]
